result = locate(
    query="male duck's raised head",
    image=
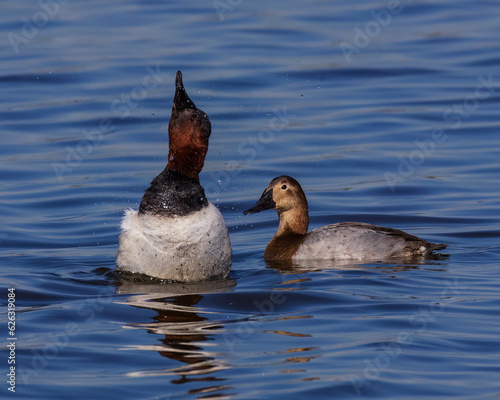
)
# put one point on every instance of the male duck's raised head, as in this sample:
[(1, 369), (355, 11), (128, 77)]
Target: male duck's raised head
[(188, 133), (285, 195)]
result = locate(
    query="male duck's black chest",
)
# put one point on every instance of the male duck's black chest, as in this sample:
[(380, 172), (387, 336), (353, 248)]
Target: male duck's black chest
[(172, 194)]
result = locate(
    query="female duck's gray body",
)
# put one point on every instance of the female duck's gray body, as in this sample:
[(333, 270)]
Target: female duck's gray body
[(177, 234), (341, 241)]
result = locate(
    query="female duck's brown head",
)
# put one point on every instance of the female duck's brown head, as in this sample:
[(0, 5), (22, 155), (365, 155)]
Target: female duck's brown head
[(188, 133), (285, 195)]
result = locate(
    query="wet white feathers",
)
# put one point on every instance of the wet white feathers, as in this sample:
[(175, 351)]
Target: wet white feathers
[(189, 248)]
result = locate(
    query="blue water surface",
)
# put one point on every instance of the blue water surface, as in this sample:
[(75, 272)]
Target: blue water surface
[(386, 112)]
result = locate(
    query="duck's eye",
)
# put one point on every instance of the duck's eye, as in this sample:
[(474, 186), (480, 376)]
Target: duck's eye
[(283, 187)]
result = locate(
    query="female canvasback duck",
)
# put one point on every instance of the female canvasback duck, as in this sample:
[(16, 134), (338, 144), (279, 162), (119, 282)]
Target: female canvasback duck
[(342, 241), (177, 234)]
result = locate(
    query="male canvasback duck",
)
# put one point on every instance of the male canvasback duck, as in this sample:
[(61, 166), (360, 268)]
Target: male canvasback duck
[(177, 234), (341, 241)]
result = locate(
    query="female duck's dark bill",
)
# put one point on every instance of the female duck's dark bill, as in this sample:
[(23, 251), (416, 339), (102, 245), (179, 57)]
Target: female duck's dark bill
[(265, 202), (181, 99)]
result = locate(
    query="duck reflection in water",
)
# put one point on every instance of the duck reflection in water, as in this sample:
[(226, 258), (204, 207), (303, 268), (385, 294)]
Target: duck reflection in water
[(205, 338), (308, 266), (186, 332)]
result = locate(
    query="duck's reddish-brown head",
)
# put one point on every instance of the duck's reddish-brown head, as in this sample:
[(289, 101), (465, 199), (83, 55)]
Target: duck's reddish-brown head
[(188, 133)]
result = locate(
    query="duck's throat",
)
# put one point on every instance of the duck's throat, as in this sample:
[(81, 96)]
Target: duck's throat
[(187, 161), (293, 222)]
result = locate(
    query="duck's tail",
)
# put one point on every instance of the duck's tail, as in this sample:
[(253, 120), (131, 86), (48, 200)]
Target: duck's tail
[(434, 247), (437, 246)]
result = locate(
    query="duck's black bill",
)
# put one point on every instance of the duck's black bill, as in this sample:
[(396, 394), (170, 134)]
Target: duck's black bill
[(265, 202), (181, 99)]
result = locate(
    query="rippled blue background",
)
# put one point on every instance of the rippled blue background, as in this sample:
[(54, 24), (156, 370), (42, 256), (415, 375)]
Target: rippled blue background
[(385, 115)]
